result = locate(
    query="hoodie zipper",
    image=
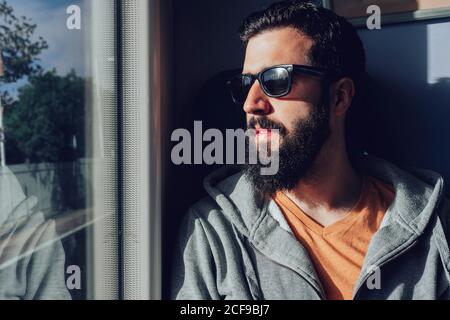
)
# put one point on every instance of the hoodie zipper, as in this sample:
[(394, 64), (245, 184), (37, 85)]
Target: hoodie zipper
[(319, 291), (403, 251)]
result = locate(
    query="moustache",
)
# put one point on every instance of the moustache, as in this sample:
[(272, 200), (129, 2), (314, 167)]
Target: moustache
[(264, 123)]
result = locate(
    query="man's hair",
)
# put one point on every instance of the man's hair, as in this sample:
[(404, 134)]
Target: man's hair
[(336, 45)]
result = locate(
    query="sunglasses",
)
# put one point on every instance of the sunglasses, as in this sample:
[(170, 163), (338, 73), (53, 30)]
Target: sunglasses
[(276, 81)]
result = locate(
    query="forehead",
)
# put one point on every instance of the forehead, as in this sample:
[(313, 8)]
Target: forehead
[(278, 46)]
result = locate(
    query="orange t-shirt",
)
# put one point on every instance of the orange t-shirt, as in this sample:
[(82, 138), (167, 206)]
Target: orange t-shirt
[(338, 250)]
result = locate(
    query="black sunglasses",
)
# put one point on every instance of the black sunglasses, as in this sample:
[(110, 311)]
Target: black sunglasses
[(276, 81)]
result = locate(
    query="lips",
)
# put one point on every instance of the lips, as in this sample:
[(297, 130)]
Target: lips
[(263, 132)]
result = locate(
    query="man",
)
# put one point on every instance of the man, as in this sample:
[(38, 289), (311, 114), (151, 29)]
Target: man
[(326, 225)]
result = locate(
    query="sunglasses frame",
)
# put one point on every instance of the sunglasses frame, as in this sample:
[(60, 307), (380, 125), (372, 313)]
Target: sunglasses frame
[(290, 68)]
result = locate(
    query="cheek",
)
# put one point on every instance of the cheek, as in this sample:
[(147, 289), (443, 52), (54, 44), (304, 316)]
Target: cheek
[(306, 90), (289, 114)]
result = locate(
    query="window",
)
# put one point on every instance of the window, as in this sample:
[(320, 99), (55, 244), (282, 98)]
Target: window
[(59, 195)]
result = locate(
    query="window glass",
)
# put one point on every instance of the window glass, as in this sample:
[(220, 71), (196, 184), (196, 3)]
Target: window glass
[(57, 149)]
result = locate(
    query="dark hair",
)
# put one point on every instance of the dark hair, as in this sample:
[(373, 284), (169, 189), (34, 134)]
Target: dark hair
[(336, 44)]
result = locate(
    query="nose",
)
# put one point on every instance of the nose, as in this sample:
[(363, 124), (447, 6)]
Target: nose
[(257, 102)]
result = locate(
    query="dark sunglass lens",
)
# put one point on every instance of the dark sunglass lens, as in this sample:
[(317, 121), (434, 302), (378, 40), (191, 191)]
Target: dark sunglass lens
[(239, 87), (276, 81)]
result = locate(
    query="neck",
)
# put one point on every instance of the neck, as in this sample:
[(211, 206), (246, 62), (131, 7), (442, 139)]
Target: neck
[(331, 188)]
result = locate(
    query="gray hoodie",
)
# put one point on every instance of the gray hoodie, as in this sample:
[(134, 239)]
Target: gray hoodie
[(31, 254), (234, 245)]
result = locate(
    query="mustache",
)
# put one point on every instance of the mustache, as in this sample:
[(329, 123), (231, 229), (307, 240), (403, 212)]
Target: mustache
[(264, 123)]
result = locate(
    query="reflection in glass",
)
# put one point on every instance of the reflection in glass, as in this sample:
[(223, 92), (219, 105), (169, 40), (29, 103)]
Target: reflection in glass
[(31, 254), (57, 149)]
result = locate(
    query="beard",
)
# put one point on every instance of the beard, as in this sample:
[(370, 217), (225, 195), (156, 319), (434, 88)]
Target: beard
[(296, 153)]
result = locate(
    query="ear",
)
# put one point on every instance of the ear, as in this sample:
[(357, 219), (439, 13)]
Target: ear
[(343, 92)]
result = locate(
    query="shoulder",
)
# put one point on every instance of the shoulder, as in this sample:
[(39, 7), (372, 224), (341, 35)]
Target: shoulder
[(205, 217)]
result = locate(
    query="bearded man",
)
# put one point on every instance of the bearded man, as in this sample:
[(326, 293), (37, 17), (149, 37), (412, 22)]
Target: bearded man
[(326, 225)]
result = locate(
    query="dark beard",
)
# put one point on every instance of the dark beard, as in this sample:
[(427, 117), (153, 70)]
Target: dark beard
[(297, 151)]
